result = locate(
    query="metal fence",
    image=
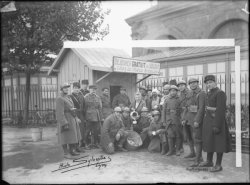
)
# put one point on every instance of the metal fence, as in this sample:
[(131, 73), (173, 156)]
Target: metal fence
[(42, 99), (224, 82)]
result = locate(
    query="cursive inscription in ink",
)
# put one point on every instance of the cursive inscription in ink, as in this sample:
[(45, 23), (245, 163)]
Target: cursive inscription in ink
[(84, 161)]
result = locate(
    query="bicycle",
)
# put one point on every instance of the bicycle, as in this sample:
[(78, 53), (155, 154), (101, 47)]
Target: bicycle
[(50, 116)]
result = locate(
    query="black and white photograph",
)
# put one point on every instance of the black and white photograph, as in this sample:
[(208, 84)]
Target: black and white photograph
[(125, 92)]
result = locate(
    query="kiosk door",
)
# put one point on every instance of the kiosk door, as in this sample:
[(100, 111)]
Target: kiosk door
[(114, 90)]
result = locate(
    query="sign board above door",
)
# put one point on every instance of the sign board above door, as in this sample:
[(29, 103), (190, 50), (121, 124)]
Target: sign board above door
[(128, 65)]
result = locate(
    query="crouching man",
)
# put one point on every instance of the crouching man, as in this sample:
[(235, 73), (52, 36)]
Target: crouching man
[(157, 134), (113, 134)]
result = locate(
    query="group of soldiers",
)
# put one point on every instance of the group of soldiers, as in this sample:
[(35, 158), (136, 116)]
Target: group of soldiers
[(163, 121)]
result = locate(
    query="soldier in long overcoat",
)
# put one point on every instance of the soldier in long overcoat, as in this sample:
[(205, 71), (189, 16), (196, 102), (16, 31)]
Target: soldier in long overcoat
[(79, 104), (106, 104), (172, 121), (215, 136), (113, 134), (93, 106), (192, 119), (157, 134), (122, 100), (183, 91), (67, 130)]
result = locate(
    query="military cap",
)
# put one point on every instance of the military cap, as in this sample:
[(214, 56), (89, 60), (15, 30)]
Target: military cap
[(126, 109), (209, 77), (123, 88), (65, 85), (174, 87), (85, 82), (164, 83), (173, 82), (76, 84), (92, 87), (191, 80), (167, 87), (144, 109), (149, 88), (142, 87), (117, 109), (156, 112), (182, 82)]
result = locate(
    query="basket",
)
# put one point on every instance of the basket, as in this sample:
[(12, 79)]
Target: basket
[(133, 140)]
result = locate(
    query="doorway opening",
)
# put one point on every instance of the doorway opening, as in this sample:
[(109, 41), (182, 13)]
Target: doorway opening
[(114, 90)]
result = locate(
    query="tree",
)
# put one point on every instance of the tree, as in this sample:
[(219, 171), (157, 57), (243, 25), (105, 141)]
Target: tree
[(37, 29)]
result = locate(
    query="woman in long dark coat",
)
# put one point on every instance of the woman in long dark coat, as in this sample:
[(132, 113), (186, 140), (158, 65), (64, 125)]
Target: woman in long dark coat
[(215, 132)]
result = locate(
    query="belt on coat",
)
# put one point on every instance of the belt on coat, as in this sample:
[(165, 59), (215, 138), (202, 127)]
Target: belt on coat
[(192, 108), (211, 108), (73, 113), (168, 111)]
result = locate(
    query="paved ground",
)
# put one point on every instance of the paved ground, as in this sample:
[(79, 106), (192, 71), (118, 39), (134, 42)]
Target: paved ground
[(25, 161)]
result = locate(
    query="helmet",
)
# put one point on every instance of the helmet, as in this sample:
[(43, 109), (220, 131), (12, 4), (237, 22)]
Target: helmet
[(181, 82), (142, 87), (118, 109), (126, 109), (191, 80), (156, 112), (155, 91), (166, 87), (155, 107), (174, 87), (144, 109), (65, 85)]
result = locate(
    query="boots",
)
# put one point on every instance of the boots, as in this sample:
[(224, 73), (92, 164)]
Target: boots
[(192, 152), (198, 158), (178, 146), (65, 149), (171, 146), (71, 150), (164, 148), (217, 166)]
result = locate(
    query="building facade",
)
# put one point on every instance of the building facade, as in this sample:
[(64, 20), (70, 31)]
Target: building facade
[(170, 20)]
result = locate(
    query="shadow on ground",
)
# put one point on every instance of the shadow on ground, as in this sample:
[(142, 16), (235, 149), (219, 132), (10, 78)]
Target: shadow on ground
[(32, 156)]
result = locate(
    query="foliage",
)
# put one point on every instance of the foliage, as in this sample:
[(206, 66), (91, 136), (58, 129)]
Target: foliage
[(37, 29)]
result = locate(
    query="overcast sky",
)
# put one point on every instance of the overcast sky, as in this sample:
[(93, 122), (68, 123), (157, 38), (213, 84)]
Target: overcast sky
[(120, 10)]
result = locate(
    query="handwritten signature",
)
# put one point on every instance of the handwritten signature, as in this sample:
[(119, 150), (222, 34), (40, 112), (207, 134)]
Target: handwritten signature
[(82, 162)]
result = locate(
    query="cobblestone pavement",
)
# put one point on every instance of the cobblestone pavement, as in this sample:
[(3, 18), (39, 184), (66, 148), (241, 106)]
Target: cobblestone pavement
[(25, 161)]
